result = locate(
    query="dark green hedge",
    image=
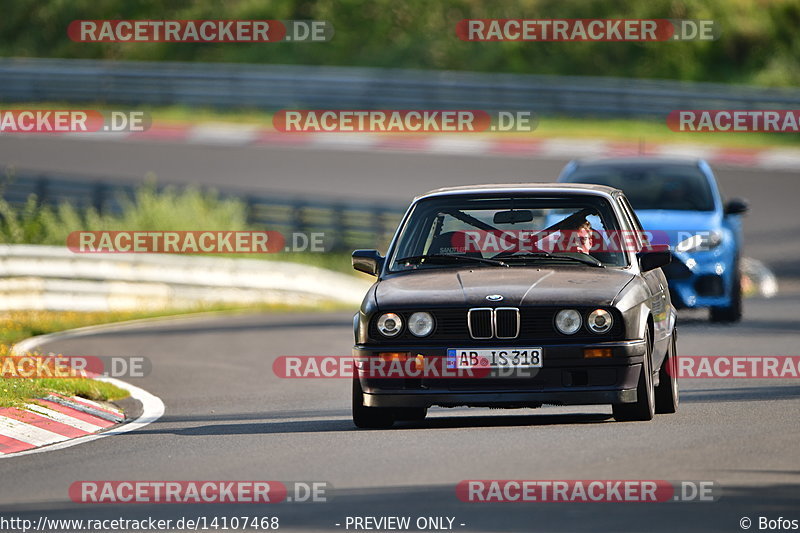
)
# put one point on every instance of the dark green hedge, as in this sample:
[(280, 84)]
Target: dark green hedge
[(758, 44)]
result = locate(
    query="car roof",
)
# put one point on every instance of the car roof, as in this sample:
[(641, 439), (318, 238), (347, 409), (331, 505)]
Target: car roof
[(493, 188), (637, 161)]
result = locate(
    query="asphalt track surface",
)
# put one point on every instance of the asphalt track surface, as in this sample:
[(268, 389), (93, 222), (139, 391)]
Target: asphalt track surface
[(228, 417)]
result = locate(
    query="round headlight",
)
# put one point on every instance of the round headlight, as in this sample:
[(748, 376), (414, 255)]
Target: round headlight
[(600, 321), (389, 324), (420, 324), (568, 321)]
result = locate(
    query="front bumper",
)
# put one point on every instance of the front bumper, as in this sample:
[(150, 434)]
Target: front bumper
[(703, 279), (566, 378)]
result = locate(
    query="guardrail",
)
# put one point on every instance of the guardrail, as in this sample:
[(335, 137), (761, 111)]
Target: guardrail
[(271, 87), (345, 225), (53, 278)]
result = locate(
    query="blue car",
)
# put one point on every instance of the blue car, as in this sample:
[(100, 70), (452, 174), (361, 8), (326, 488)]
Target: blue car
[(678, 200)]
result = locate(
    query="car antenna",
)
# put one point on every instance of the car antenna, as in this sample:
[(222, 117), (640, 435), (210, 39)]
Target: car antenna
[(641, 145)]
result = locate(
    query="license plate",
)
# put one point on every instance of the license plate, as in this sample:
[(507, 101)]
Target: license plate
[(494, 358)]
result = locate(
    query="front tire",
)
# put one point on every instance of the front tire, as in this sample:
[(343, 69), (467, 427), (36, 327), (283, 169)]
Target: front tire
[(644, 408), (667, 394), (369, 417)]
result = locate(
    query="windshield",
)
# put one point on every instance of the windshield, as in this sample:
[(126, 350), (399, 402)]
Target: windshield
[(457, 231), (672, 187)]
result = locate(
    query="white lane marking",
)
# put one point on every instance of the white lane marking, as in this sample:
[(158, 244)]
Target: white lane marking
[(152, 410), (697, 151), (778, 159), (224, 134), (37, 436), (63, 418), (573, 148), (352, 141), (450, 144)]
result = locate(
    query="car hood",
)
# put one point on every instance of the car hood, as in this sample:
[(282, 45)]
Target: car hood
[(677, 225), (518, 286)]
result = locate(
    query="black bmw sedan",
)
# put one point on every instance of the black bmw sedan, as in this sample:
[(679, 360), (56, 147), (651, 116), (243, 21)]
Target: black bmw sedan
[(514, 296)]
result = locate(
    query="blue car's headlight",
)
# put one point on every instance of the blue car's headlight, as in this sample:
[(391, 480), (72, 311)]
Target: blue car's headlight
[(702, 241)]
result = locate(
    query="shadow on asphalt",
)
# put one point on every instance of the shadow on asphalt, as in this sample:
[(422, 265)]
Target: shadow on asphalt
[(741, 394), (267, 427), (261, 415), (271, 422)]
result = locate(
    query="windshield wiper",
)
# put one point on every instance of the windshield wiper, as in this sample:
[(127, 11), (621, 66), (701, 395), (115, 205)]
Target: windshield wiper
[(417, 259), (585, 259)]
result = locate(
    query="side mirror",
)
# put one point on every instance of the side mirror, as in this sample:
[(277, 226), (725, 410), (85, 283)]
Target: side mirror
[(368, 261), (737, 206), (654, 257)]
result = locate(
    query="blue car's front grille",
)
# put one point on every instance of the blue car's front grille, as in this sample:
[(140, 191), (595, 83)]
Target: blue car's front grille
[(709, 285), (676, 269)]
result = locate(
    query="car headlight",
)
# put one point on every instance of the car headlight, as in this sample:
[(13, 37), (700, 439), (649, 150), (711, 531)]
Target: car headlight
[(420, 324), (600, 321), (568, 321), (389, 324), (707, 240)]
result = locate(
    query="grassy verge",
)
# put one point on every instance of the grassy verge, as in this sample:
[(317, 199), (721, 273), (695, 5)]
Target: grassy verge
[(623, 130), (652, 132), (17, 392), (18, 325), (151, 209)]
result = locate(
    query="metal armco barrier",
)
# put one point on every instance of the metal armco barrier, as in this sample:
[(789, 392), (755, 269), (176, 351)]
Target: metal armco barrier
[(346, 225), (53, 278), (272, 87)]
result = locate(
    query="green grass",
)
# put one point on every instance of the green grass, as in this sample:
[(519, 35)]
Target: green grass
[(170, 209), (17, 392), (652, 132)]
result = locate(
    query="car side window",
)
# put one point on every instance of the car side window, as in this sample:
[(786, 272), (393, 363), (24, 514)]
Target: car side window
[(636, 223), (633, 222)]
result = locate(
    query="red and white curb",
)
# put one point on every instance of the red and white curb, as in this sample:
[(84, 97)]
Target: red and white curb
[(51, 420), (57, 422), (226, 134)]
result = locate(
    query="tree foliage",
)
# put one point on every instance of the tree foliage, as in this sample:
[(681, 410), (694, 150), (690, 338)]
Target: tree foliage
[(757, 45)]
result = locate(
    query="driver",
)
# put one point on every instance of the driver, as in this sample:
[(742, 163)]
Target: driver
[(575, 236)]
